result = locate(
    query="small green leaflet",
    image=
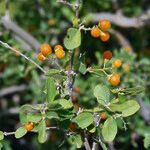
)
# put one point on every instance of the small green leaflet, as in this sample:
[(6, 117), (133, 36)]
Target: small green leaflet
[(52, 115), (20, 132), (82, 68), (127, 108), (52, 72), (66, 104), (1, 135), (73, 38), (147, 141), (109, 129), (1, 146), (34, 118), (102, 93), (42, 132), (76, 140), (50, 89), (83, 120)]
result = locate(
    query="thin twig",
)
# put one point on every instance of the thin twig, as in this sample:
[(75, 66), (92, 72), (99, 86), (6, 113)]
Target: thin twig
[(86, 144), (12, 89), (95, 146), (12, 133), (18, 52), (65, 3), (77, 7)]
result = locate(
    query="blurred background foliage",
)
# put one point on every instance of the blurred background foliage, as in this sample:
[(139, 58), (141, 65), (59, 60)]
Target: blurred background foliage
[(48, 21)]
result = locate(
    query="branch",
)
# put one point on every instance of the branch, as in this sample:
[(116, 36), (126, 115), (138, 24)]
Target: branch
[(123, 21), (86, 144), (12, 89), (111, 146), (66, 3), (27, 58), (12, 133), (95, 146), (10, 25)]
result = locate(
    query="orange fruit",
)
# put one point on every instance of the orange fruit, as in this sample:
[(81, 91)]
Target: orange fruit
[(104, 24), (95, 32), (114, 79), (41, 57), (45, 49)]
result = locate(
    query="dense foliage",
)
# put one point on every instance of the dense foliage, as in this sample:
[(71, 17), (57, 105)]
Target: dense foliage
[(64, 116)]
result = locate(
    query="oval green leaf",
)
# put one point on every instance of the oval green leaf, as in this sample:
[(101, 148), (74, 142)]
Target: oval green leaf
[(83, 120), (20, 132), (109, 129), (73, 39), (1, 135)]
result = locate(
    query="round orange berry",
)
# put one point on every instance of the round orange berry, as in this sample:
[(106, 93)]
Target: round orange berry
[(107, 55), (103, 116), (45, 49), (114, 79), (60, 54), (41, 57), (105, 36), (95, 32), (58, 47), (117, 63), (72, 126), (104, 24), (29, 126)]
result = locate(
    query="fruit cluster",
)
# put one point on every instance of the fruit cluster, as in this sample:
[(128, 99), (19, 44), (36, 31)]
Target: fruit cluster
[(46, 49), (101, 30), (114, 78)]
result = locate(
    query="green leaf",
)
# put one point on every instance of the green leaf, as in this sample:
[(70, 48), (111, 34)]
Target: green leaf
[(54, 106), (75, 140), (91, 128), (50, 89), (52, 72), (82, 68), (20, 132), (42, 132), (1, 135), (147, 141), (34, 118), (102, 93), (84, 119), (1, 146), (127, 108), (66, 104), (52, 115), (26, 108), (109, 129), (73, 39)]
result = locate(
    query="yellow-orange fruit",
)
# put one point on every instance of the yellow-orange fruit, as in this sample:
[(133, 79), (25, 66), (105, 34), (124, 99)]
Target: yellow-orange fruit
[(105, 36), (104, 24), (114, 79), (60, 54), (117, 63), (29, 126), (95, 32), (41, 57), (103, 116), (45, 49), (58, 47)]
